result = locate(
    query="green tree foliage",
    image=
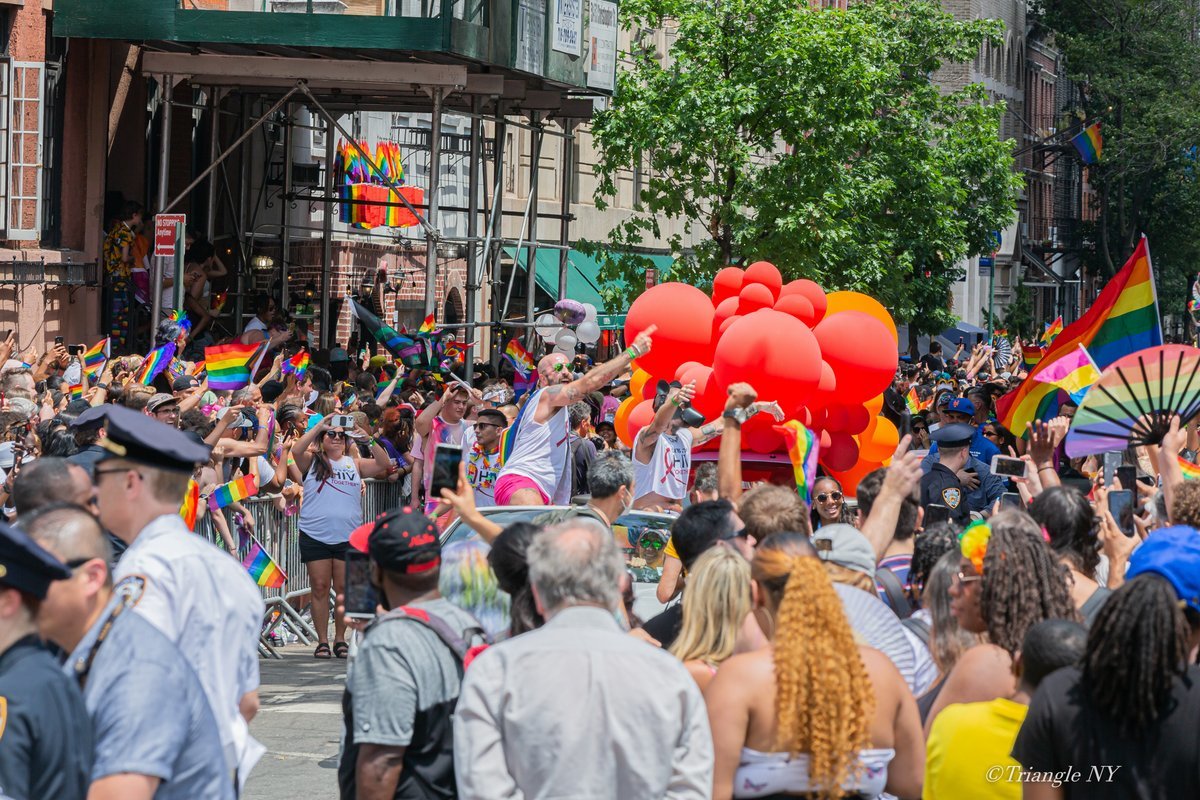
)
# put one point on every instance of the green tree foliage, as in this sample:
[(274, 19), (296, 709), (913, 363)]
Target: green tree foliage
[(815, 139), (1137, 63), (1018, 317)]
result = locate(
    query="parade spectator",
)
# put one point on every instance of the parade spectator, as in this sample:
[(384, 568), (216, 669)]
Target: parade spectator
[(579, 418), (716, 605), (704, 483), (829, 504), (892, 571), (406, 676), (1067, 517), (970, 743), (934, 624), (509, 559), (785, 728), (508, 736), (256, 329), (140, 752), (933, 359), (444, 421), (768, 509), (332, 508), (49, 480)]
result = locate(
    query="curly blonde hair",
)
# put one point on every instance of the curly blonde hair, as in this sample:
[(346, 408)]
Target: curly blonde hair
[(824, 700), (715, 604)]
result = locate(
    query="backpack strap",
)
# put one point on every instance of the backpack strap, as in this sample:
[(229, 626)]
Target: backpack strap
[(458, 645), (894, 591), (919, 628)]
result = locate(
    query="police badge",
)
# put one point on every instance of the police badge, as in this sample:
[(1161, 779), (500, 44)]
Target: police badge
[(952, 496)]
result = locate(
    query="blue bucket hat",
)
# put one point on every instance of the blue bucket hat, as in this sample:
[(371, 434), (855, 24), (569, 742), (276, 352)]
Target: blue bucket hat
[(1172, 553)]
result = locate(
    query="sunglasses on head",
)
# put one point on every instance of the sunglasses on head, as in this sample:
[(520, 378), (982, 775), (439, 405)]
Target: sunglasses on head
[(835, 496)]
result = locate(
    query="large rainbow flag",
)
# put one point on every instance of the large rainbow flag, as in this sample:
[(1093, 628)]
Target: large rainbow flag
[(230, 365), (1123, 320), (802, 447)]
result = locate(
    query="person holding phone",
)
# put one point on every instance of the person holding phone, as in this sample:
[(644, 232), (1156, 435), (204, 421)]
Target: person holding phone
[(332, 508), (941, 485)]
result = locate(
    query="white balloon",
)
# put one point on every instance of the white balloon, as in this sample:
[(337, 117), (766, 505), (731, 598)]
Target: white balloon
[(565, 341), (565, 353), (589, 312), (549, 338), (547, 325), (588, 331)]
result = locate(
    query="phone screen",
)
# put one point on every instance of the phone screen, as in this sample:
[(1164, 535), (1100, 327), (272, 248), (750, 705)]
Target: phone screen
[(1008, 467), (361, 596), (58, 340), (446, 459), (1010, 500), (1127, 475), (1120, 505), (1112, 461), (935, 513)]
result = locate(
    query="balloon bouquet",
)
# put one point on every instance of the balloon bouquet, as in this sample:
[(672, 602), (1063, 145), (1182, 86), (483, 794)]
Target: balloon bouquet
[(826, 359), (555, 328)]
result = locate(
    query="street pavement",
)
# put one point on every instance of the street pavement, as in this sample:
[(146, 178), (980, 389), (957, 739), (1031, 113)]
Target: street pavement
[(300, 722)]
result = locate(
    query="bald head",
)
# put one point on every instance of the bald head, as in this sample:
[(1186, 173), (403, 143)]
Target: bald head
[(69, 532), (554, 368), (576, 563)]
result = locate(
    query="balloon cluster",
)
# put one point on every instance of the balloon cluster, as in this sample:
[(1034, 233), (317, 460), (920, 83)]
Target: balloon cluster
[(555, 328), (825, 358)]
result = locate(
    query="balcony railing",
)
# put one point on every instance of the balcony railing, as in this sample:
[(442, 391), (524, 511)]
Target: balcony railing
[(61, 273)]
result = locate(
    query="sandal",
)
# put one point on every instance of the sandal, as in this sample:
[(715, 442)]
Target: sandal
[(340, 649), (322, 651)]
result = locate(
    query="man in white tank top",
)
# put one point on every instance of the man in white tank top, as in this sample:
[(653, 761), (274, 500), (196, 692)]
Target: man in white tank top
[(662, 452), (537, 471)]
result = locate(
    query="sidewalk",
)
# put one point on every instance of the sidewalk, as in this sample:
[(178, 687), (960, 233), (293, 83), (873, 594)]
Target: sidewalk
[(300, 723)]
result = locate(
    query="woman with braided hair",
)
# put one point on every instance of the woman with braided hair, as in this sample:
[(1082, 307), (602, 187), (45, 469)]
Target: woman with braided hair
[(1132, 703), (1008, 580), (814, 714)]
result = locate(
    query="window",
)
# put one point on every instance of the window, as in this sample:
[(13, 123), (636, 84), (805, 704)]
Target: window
[(26, 81)]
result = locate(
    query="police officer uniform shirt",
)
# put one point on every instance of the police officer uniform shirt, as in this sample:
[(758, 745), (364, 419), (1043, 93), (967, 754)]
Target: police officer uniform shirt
[(940, 486), (193, 592), (45, 735)]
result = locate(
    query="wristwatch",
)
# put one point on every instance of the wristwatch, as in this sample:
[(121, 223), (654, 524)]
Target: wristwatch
[(738, 415)]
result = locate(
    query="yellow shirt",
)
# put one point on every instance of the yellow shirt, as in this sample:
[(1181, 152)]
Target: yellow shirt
[(967, 755)]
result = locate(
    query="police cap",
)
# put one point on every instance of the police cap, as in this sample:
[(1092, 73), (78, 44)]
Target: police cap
[(957, 435), (145, 440), (92, 418), (24, 565)]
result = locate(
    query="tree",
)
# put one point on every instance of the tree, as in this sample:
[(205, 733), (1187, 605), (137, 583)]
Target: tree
[(1018, 317), (815, 139)]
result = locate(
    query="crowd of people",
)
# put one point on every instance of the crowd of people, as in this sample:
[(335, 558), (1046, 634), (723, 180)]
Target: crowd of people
[(934, 631)]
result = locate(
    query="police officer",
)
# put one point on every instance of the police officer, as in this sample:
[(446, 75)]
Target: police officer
[(194, 593), (940, 486), (45, 734)]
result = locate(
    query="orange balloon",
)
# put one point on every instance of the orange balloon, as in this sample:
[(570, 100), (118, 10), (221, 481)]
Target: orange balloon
[(638, 382), (882, 441), (849, 478), (874, 405), (621, 419), (856, 301)]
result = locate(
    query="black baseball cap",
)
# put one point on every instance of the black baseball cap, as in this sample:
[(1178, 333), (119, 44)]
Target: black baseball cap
[(400, 540)]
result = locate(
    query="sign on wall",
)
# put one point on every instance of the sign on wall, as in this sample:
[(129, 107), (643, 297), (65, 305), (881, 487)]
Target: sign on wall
[(602, 35), (567, 31), (531, 36)]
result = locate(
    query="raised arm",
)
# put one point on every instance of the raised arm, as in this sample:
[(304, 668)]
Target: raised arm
[(424, 421), (1169, 470), (566, 394), (388, 390), (301, 449), (729, 458), (662, 421), (900, 481), (382, 461)]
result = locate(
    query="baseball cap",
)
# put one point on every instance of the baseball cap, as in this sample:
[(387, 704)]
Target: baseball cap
[(845, 546), (159, 400), (400, 540), (961, 405), (1172, 553), (183, 383)]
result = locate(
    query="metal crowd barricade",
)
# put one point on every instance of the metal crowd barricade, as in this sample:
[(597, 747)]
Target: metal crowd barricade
[(279, 534)]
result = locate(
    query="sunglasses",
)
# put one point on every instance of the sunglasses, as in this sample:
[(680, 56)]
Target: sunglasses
[(561, 366), (334, 435), (479, 425), (919, 429), (652, 541), (740, 532), (835, 496)]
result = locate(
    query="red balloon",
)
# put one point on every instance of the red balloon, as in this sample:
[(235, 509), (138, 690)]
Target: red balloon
[(841, 454), (726, 308), (684, 316), (837, 418), (710, 395), (862, 353), (684, 369), (857, 419), (759, 435), (727, 283), (753, 297), (650, 389), (798, 306), (724, 326), (810, 290), (639, 418), (773, 352), (766, 274)]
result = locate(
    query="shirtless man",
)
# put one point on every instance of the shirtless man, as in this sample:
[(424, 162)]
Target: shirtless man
[(537, 473)]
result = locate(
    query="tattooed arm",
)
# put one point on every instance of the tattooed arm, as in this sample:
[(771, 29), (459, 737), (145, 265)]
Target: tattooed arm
[(565, 394), (711, 430), (662, 421)]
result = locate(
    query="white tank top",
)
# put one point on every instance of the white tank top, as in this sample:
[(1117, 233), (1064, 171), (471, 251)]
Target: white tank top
[(332, 507), (762, 774), (540, 452), (666, 473)]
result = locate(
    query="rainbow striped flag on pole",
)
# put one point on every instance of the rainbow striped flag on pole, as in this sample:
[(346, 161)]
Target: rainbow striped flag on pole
[(233, 492), (1074, 373), (155, 363), (1031, 355), (262, 567), (520, 358), (95, 357), (1053, 329), (802, 446), (228, 365), (1089, 143), (1123, 320), (191, 504), (296, 365)]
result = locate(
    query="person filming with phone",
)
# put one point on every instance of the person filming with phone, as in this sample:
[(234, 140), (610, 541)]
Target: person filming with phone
[(332, 508)]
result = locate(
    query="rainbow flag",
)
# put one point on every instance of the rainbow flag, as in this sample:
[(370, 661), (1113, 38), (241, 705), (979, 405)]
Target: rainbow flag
[(1089, 143), (1123, 320), (191, 504), (1053, 329), (233, 492), (802, 448), (1191, 472), (262, 567), (198, 368), (296, 365), (76, 391), (155, 363), (1074, 373), (94, 357), (520, 358), (228, 365), (427, 326), (217, 302), (1031, 354)]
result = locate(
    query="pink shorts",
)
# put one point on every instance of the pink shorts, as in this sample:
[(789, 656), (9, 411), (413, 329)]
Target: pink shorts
[(510, 484)]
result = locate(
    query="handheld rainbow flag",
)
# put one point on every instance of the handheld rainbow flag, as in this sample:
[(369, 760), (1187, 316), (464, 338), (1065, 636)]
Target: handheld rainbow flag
[(912, 401), (96, 356), (802, 448), (262, 567), (520, 358), (296, 365), (233, 492), (191, 504), (1191, 472), (76, 391), (1122, 320), (411, 353), (1089, 143), (1053, 329), (228, 365), (1074, 373), (427, 326), (155, 363), (1031, 355), (198, 368)]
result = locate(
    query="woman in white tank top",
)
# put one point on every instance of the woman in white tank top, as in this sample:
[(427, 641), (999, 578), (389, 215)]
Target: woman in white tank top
[(331, 509), (814, 713)]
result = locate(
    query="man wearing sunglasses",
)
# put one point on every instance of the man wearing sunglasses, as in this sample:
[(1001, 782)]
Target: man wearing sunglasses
[(444, 421), (482, 455), (537, 472)]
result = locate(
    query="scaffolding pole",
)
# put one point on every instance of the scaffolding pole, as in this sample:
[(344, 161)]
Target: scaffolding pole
[(434, 179), (495, 230), (164, 170), (564, 234), (327, 324), (535, 160), (473, 254), (239, 301), (285, 235)]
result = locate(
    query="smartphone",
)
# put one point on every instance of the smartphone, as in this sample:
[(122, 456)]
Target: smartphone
[(58, 340), (446, 459), (1112, 461), (344, 421), (1120, 505), (74, 349), (1008, 467), (935, 513), (1011, 500), (1127, 475), (362, 598), (960, 340)]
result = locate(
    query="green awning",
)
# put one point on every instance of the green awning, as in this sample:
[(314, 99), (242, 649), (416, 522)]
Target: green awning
[(583, 282)]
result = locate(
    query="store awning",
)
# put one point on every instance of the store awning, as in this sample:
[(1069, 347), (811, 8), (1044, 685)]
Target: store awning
[(583, 281)]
